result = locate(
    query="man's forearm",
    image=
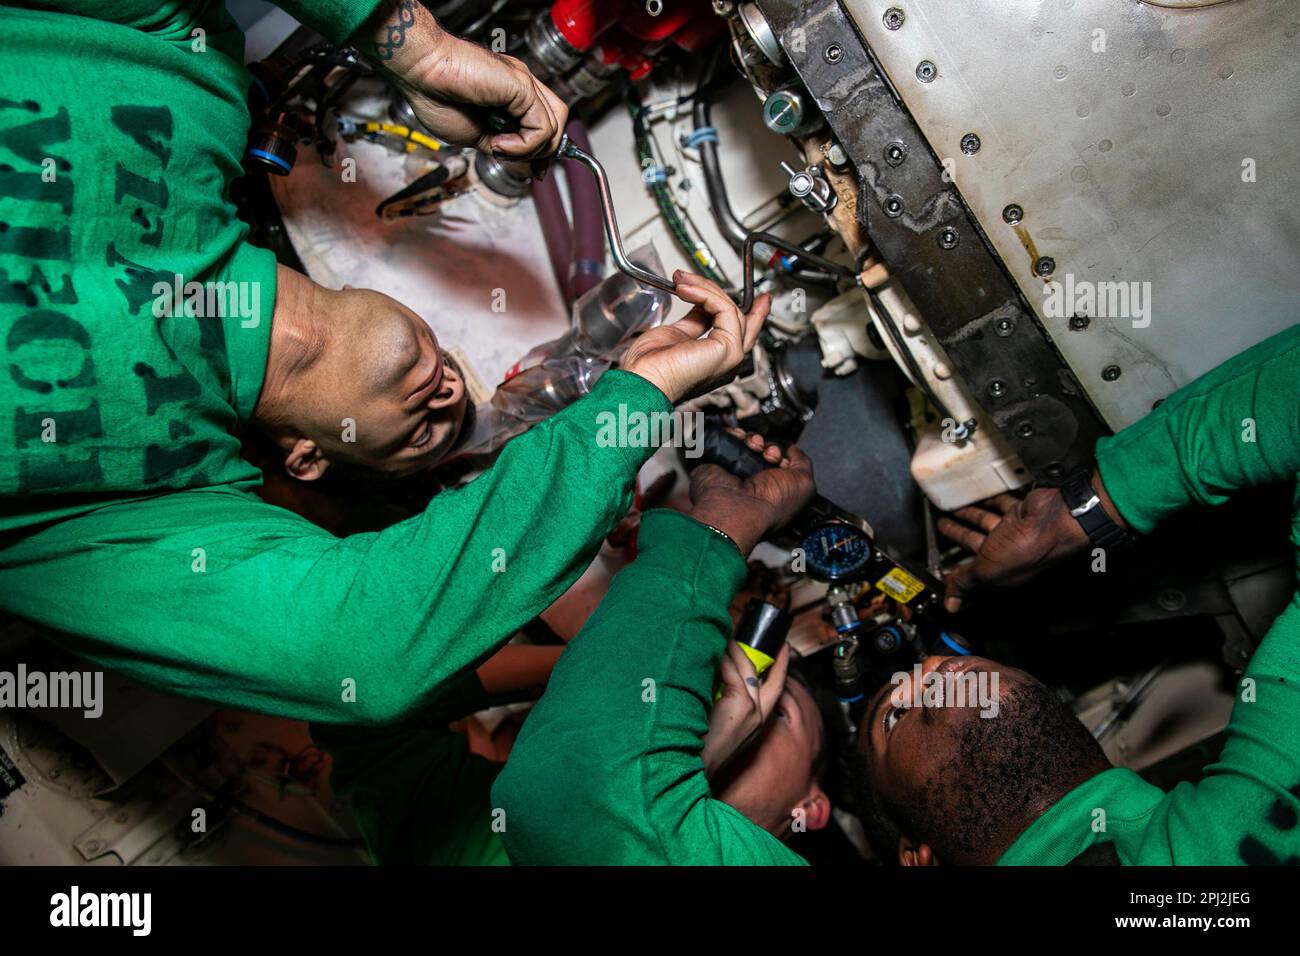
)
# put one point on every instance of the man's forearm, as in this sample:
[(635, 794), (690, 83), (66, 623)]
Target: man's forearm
[(607, 768), (402, 38), (266, 612), (1235, 427)]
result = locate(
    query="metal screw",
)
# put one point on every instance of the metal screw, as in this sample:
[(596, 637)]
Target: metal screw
[(926, 71), (1004, 326), (1110, 372), (833, 53), (895, 153), (997, 388), (1012, 213), (894, 207), (1045, 266), (835, 155), (894, 18), (1025, 429), (92, 846), (948, 238), (970, 144), (1079, 322)]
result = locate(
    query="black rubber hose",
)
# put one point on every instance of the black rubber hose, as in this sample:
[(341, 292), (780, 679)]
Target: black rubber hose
[(747, 262), (728, 224)]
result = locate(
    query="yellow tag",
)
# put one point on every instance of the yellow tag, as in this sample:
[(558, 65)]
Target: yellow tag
[(900, 585)]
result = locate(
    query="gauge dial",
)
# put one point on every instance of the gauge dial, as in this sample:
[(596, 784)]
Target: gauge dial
[(836, 551)]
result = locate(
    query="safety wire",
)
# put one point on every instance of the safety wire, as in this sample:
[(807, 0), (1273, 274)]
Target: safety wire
[(656, 180)]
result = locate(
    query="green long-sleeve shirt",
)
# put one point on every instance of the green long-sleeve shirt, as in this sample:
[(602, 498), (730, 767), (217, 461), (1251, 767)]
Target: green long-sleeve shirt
[(128, 522), (1236, 427), (598, 775), (607, 767), (122, 126)]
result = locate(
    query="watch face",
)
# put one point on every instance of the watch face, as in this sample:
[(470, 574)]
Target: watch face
[(836, 551)]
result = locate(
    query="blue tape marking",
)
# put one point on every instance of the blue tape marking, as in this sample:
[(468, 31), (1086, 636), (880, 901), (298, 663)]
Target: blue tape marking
[(270, 158), (701, 134), (943, 636)]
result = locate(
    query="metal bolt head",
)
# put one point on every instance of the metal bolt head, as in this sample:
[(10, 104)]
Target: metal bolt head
[(893, 18), (970, 144), (1045, 266), (1079, 322), (1110, 373), (833, 53), (1025, 429), (997, 388), (1171, 599), (895, 153), (1012, 213), (894, 207), (835, 155), (948, 237), (926, 71), (1004, 326)]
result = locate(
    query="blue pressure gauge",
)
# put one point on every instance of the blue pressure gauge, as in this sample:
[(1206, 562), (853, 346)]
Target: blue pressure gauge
[(836, 551)]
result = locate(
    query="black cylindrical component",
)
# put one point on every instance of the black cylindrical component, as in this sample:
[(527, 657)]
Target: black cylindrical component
[(728, 223), (763, 627), (729, 452), (274, 147)]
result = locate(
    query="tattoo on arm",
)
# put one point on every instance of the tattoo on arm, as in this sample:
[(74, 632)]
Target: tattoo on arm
[(395, 32)]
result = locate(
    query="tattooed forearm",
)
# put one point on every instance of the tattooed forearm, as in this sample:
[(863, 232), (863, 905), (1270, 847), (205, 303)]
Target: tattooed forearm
[(395, 32)]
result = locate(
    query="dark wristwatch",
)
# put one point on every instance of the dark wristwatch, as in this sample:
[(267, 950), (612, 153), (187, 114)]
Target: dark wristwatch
[(1085, 505)]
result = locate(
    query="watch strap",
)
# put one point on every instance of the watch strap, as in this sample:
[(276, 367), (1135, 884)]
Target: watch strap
[(1086, 508)]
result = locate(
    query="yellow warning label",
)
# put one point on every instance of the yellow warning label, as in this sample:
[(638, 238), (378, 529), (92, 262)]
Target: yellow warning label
[(900, 585)]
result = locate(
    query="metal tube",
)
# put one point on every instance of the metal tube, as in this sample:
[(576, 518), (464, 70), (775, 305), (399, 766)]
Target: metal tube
[(568, 150)]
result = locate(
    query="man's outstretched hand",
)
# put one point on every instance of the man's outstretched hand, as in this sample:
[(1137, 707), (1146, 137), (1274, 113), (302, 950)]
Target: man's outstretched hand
[(747, 510), (454, 86), (702, 349), (1013, 539)]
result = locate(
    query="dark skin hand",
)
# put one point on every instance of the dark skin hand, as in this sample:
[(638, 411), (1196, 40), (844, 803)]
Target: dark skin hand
[(1014, 539), (747, 510)]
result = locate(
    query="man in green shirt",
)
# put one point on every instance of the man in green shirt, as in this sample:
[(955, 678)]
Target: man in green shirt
[(1023, 784), (129, 525)]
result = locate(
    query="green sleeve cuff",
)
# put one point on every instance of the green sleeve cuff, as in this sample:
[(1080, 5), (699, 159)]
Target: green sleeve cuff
[(1142, 473), (248, 339), (682, 542), (336, 20)]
